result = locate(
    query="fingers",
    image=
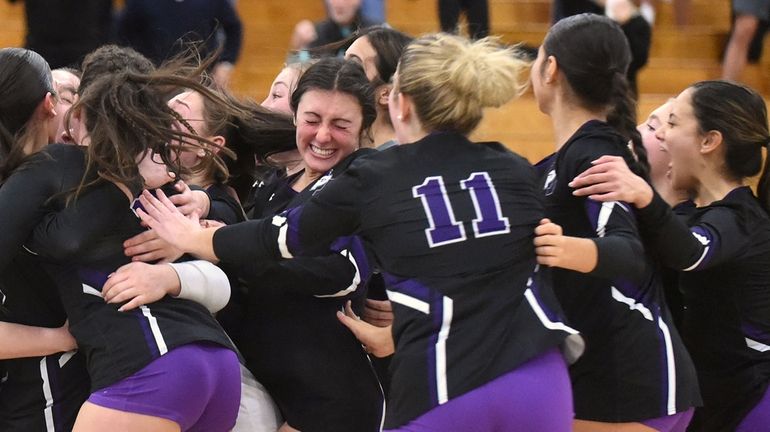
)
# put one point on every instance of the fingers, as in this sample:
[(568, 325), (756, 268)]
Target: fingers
[(144, 247), (378, 313), (379, 305), (547, 229), (140, 238), (136, 302), (349, 311)]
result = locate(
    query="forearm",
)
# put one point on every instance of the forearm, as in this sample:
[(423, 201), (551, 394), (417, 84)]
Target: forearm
[(580, 254), (18, 341)]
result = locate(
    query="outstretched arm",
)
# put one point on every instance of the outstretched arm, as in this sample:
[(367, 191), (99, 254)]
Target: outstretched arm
[(18, 341)]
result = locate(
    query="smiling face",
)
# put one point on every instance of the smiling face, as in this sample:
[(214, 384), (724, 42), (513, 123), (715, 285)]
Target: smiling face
[(681, 137), (328, 128), (656, 154), (279, 97)]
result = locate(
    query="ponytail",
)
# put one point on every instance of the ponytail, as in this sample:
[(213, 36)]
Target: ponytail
[(622, 117)]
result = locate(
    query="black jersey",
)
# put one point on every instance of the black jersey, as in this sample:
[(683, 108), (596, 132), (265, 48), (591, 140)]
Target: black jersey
[(724, 257), (36, 393), (635, 366), (85, 242), (451, 224), (224, 205), (313, 367)]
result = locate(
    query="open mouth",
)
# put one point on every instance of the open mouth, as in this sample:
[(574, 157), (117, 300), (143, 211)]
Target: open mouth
[(322, 152)]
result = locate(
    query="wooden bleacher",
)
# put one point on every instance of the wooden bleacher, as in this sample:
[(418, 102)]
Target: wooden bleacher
[(679, 56)]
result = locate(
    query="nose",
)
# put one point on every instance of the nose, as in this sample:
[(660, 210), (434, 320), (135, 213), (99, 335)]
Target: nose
[(660, 134), (323, 134)]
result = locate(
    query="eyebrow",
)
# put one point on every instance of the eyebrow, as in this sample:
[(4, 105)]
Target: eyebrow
[(281, 83), (179, 101), (70, 89)]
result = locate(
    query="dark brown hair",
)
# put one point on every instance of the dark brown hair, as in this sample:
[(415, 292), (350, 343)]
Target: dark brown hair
[(740, 115), (25, 79), (593, 54)]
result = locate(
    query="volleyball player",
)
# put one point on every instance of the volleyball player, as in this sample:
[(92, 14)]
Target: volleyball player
[(720, 242), (450, 222), (635, 371)]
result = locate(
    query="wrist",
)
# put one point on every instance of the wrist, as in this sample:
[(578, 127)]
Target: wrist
[(172, 283), (645, 198), (202, 202)]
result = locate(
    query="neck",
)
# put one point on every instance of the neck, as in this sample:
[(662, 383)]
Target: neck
[(200, 179), (713, 187), (566, 120), (411, 133), (382, 131), (308, 176), (35, 140), (670, 195)]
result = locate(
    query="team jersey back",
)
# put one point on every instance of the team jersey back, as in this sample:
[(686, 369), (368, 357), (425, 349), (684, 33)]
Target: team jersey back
[(635, 366), (451, 224)]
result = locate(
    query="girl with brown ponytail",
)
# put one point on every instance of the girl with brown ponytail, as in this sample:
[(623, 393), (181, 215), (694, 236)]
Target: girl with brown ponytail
[(635, 373)]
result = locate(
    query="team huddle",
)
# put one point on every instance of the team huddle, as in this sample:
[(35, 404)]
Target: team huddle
[(386, 273)]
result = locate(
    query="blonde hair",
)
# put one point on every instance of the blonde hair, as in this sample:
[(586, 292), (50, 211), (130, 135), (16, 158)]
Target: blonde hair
[(452, 79)]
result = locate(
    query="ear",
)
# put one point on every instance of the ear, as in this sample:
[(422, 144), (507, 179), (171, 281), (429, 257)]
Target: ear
[(550, 70), (219, 140), (382, 95), (48, 104), (405, 106), (712, 140)]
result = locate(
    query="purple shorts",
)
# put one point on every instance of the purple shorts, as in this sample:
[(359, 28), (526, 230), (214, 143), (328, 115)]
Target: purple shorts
[(758, 419), (198, 386), (535, 397), (674, 423)]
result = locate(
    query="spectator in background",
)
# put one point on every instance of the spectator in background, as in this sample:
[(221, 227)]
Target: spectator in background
[(160, 29), (476, 14), (637, 31), (746, 22), (343, 19), (373, 11), (561, 9), (63, 32)]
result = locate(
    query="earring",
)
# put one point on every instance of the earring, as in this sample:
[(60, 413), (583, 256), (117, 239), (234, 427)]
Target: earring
[(400, 117)]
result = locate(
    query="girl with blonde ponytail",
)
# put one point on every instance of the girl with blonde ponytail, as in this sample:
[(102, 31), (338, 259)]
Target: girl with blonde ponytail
[(636, 373), (476, 331)]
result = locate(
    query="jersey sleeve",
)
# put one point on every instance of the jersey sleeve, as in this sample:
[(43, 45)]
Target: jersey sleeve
[(716, 238), (62, 234), (308, 230), (225, 208), (22, 201), (619, 248), (341, 273), (617, 240)]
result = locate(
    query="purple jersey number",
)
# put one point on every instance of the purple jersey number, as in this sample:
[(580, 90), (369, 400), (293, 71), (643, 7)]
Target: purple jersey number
[(444, 228)]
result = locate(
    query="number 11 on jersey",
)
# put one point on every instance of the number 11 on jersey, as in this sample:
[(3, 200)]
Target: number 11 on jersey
[(444, 227)]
